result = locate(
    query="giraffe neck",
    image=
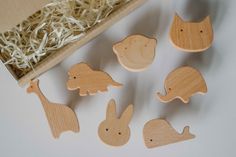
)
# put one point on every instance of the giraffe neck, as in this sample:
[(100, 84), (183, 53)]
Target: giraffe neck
[(42, 98)]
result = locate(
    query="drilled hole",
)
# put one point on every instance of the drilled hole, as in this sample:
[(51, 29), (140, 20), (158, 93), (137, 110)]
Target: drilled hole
[(119, 133), (107, 129), (151, 140), (201, 31), (181, 30), (74, 77)]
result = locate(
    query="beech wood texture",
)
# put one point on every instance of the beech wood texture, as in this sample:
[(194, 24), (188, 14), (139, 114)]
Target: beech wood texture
[(136, 52), (60, 55), (88, 81), (60, 117), (182, 83), (159, 132), (13, 12), (115, 131), (191, 36)]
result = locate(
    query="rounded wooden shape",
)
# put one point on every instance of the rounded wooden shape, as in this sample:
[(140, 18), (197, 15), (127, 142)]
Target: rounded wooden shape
[(136, 52), (182, 83), (159, 132)]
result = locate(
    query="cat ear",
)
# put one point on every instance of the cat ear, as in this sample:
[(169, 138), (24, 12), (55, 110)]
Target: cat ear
[(207, 20), (178, 18), (111, 110)]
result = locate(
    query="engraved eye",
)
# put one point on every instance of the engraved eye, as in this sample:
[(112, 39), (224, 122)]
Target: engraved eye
[(74, 77), (126, 48), (170, 89), (201, 31)]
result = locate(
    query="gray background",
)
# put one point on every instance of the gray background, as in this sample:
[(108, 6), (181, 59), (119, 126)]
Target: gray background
[(24, 131)]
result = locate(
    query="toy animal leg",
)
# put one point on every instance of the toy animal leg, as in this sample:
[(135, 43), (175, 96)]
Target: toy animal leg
[(104, 89), (92, 91), (55, 131), (83, 92), (185, 99)]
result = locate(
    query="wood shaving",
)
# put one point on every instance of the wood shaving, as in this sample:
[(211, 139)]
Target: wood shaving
[(57, 24)]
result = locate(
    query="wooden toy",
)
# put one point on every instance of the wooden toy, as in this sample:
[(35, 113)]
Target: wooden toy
[(136, 52), (115, 131), (191, 36), (60, 117), (82, 77), (159, 132), (182, 83)]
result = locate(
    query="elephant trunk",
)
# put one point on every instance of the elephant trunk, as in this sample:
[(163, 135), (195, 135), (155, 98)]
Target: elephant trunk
[(166, 98)]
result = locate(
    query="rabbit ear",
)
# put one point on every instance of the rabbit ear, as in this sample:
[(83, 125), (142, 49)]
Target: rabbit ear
[(111, 110), (127, 114), (178, 18)]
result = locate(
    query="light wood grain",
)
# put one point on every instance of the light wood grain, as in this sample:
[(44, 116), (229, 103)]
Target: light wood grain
[(191, 36), (182, 83), (13, 12), (88, 81), (115, 131), (159, 132), (136, 52), (60, 117)]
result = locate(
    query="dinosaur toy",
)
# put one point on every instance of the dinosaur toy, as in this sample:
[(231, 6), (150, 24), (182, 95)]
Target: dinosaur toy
[(82, 77)]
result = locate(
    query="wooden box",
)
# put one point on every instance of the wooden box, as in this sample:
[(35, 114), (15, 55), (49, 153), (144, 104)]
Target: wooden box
[(15, 11)]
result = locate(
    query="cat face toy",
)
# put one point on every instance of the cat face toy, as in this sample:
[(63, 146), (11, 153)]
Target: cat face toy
[(191, 36)]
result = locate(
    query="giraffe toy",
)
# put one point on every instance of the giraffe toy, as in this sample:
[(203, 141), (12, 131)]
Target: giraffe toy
[(60, 117)]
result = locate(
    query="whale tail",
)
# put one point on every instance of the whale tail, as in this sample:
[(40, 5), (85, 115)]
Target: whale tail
[(187, 133)]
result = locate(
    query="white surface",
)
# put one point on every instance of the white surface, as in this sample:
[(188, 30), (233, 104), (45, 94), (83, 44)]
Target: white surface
[(24, 131)]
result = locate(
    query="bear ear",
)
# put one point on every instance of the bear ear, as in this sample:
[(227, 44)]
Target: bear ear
[(178, 18)]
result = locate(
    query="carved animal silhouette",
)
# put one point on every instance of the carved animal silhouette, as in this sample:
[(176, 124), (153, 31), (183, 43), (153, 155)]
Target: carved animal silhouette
[(191, 36), (159, 132), (182, 83), (60, 118), (82, 77), (136, 52), (115, 131)]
